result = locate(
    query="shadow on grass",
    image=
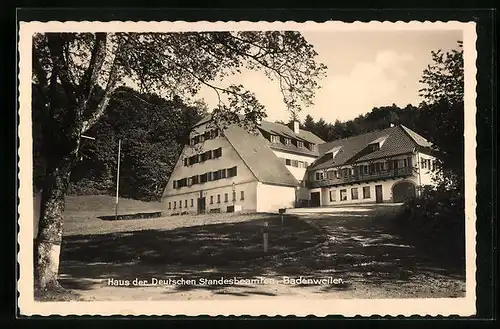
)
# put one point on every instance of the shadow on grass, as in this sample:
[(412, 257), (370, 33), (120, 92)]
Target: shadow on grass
[(141, 215), (355, 249)]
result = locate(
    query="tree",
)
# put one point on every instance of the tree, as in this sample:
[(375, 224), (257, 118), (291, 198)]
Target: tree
[(444, 78), (443, 113), (309, 123), (88, 68), (153, 132)]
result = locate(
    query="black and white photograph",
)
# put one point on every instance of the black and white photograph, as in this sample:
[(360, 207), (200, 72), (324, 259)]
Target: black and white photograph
[(229, 168)]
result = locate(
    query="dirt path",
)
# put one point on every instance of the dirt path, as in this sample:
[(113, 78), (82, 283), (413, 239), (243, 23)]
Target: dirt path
[(359, 259)]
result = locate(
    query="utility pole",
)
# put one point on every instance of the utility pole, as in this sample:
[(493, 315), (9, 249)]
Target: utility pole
[(118, 178)]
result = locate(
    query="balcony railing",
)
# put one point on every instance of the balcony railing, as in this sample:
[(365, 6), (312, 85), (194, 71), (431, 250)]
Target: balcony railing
[(393, 173)]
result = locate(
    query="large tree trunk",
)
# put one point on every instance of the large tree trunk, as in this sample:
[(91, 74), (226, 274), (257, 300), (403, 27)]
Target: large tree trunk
[(50, 228)]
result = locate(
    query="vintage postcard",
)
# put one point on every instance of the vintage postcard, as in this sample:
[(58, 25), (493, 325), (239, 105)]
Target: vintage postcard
[(247, 168)]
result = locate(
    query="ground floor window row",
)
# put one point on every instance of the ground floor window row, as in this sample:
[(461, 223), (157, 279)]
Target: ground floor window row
[(353, 191), (206, 177), (368, 169), (213, 198)]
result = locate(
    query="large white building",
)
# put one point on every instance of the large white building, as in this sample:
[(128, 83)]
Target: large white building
[(379, 166), (230, 169), (233, 170)]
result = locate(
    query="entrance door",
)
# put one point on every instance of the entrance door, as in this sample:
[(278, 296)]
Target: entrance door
[(201, 205), (378, 193), (315, 199), (402, 191)]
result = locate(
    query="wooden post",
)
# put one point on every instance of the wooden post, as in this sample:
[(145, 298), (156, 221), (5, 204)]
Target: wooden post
[(118, 179), (265, 236)]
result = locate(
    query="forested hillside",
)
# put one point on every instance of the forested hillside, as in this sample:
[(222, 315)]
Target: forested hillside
[(153, 132)]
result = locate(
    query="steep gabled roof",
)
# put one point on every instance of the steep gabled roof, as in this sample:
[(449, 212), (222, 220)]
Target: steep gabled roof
[(258, 157), (283, 131), (398, 140)]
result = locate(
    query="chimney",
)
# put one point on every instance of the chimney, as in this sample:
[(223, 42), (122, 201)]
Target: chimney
[(296, 127)]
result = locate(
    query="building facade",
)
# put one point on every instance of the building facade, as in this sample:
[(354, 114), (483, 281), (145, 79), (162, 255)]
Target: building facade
[(381, 166), (231, 169), (235, 170)]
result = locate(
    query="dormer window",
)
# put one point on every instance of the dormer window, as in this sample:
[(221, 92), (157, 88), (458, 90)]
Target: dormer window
[(274, 139), (374, 146), (286, 141), (300, 144)]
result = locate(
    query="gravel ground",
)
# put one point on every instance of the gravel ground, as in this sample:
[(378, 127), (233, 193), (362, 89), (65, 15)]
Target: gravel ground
[(359, 259)]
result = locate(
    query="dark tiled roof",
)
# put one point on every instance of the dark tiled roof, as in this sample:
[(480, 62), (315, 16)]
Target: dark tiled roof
[(259, 158), (400, 139), (284, 131)]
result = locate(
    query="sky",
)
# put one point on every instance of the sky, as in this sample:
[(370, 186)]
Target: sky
[(366, 69)]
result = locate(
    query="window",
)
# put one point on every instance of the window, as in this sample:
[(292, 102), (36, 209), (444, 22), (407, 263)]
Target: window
[(203, 157), (372, 168), (207, 135), (182, 182), (275, 139), (366, 192), (288, 162), (343, 195), (185, 162), (434, 165), (234, 195), (174, 184), (217, 153), (429, 164), (332, 195), (286, 141), (319, 176), (395, 164), (223, 173), (295, 163), (382, 166), (193, 159), (203, 178), (175, 204), (365, 169), (170, 205), (192, 203), (231, 172), (194, 179), (300, 144), (423, 164), (216, 175), (226, 197), (186, 203), (374, 146), (208, 155), (354, 193), (405, 163), (214, 133), (201, 138), (242, 195), (218, 198), (209, 176), (301, 164), (377, 167), (329, 174), (180, 204), (312, 147), (211, 199)]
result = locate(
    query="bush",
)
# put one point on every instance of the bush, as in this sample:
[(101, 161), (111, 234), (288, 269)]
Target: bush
[(436, 219)]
